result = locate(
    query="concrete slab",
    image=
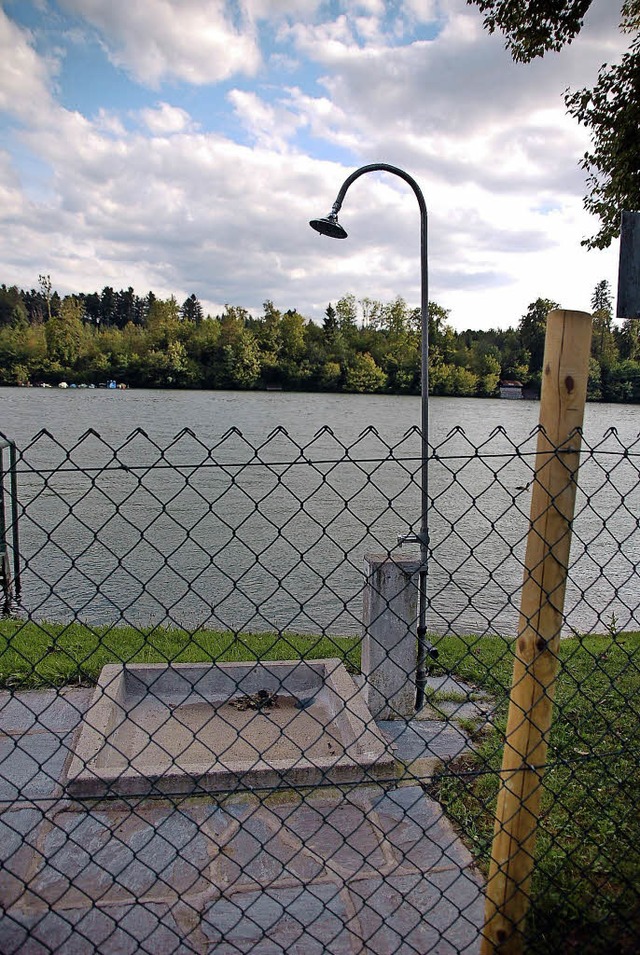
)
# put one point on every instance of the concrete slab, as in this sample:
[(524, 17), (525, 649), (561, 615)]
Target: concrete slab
[(421, 746), (119, 930), (31, 766), (54, 711), (416, 739), (203, 727), (343, 870), (446, 685)]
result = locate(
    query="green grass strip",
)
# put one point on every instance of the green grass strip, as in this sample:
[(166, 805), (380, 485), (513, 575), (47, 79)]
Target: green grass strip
[(52, 654), (586, 884)]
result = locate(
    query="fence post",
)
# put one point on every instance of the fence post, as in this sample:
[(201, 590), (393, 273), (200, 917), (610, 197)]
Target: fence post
[(564, 389)]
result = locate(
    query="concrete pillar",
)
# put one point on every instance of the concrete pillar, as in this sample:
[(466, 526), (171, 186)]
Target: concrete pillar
[(389, 649)]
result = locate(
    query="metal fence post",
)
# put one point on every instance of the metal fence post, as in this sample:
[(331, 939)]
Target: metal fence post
[(566, 370)]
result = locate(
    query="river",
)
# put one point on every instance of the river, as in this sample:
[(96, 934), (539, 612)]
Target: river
[(254, 510)]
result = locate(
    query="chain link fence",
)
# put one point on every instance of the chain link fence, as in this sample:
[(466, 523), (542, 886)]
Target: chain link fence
[(188, 758)]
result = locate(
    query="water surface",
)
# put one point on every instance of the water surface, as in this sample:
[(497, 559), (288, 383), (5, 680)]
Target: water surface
[(255, 510)]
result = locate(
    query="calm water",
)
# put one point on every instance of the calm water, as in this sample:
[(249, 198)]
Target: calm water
[(114, 414), (254, 511)]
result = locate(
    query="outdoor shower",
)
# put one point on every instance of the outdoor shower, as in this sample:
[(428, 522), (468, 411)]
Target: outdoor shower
[(330, 226)]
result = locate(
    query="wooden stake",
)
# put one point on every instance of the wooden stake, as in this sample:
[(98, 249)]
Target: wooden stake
[(564, 391)]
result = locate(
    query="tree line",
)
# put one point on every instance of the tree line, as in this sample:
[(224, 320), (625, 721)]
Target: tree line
[(361, 346)]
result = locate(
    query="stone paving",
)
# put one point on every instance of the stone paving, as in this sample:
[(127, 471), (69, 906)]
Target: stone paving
[(367, 869)]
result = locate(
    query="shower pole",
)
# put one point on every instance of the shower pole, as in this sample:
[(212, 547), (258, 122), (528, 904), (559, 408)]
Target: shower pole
[(331, 227)]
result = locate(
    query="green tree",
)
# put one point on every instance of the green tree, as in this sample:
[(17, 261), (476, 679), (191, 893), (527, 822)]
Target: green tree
[(594, 382), (168, 367), (603, 343), (125, 308), (371, 311), (628, 339), (532, 329), (610, 111), (330, 375), (395, 318), (443, 343), (347, 315), (162, 322), (204, 351), (192, 310), (445, 379), (64, 333), (364, 375), (108, 306), (91, 305), (242, 360), (12, 308), (44, 281), (484, 362), (292, 349), (330, 324), (624, 381)]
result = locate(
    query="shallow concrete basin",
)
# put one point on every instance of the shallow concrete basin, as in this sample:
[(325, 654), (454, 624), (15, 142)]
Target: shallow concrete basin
[(186, 728)]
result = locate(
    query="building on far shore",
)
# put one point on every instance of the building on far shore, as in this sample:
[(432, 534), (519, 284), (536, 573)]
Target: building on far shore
[(511, 389)]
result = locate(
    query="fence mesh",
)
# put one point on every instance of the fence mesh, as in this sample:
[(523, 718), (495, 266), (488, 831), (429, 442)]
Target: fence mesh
[(207, 745)]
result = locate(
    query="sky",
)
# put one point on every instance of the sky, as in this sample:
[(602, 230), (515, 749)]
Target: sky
[(182, 146)]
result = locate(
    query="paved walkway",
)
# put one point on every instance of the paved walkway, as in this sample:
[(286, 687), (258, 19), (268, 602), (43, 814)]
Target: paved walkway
[(366, 870)]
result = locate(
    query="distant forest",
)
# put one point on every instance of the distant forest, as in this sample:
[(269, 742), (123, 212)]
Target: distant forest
[(361, 346)]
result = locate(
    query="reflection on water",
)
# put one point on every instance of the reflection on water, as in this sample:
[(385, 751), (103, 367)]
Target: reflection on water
[(265, 526)]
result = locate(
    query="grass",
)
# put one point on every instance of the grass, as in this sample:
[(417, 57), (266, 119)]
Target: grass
[(51, 655), (586, 885)]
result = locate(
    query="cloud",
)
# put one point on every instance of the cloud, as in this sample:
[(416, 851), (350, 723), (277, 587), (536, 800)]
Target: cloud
[(268, 125), (157, 40), (180, 207), (25, 77), (165, 119), (11, 197)]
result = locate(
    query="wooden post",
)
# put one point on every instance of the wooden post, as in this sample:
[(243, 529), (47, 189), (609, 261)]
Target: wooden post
[(564, 390)]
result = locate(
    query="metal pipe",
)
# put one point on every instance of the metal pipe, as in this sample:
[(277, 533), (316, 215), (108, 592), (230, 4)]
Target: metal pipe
[(13, 466), (424, 647)]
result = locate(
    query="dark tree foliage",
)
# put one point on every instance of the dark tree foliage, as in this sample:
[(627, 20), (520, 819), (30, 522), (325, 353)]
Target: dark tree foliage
[(362, 346), (610, 111), (330, 323), (92, 307), (532, 328), (533, 27), (124, 307), (36, 306), (192, 309), (107, 305), (12, 309)]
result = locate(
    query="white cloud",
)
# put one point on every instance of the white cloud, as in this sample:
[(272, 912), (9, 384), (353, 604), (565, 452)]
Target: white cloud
[(25, 77), (155, 40), (109, 122), (275, 10), (11, 197), (165, 119), (270, 126), (424, 11), (177, 207)]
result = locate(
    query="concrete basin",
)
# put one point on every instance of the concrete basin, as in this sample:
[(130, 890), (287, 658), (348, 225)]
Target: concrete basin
[(185, 728)]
